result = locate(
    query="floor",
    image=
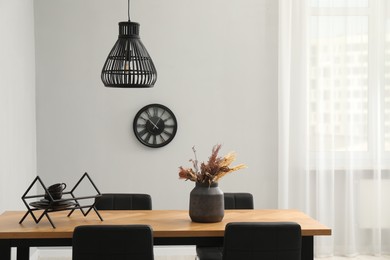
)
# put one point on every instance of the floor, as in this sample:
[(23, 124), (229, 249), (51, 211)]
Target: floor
[(172, 253), (161, 253), (326, 258), (329, 258), (355, 258), (191, 257)]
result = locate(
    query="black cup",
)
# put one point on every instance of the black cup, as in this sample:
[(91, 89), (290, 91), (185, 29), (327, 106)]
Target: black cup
[(57, 187), (55, 191)]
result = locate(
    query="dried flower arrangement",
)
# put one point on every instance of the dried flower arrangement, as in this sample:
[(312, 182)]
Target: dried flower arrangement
[(213, 170)]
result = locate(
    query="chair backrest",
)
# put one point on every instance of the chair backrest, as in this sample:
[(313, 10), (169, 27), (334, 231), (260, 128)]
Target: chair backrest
[(238, 200), (114, 242), (272, 240), (124, 201)]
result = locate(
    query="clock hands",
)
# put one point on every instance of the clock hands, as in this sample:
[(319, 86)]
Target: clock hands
[(159, 119), (155, 113), (154, 125), (148, 118)]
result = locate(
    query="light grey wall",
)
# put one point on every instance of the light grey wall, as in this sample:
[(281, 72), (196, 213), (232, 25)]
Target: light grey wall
[(17, 102), (217, 71)]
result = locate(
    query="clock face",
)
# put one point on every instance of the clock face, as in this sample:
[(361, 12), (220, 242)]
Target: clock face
[(155, 125)]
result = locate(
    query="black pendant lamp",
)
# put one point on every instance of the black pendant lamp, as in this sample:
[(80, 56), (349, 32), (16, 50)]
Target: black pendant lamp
[(129, 65)]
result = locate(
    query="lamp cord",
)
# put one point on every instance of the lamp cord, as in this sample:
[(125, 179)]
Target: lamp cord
[(128, 9)]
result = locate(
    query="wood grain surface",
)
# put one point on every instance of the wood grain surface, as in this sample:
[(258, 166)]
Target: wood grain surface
[(165, 223)]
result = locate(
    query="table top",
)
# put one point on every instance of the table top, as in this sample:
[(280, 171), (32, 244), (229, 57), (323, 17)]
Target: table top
[(165, 223)]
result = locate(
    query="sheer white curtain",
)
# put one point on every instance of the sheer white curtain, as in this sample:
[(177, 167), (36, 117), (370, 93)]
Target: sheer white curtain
[(334, 120)]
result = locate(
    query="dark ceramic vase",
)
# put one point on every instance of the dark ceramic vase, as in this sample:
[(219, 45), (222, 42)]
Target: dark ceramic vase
[(206, 203)]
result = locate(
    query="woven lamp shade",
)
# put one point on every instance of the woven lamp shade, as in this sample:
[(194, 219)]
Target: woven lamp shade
[(129, 65)]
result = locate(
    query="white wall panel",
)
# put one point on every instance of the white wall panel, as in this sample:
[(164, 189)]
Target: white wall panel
[(17, 102), (217, 71)]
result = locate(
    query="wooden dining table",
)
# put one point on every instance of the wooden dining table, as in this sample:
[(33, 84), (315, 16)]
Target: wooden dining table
[(170, 227)]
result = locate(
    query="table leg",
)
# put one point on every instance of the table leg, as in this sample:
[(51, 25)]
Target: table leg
[(5, 249), (23, 253), (307, 252)]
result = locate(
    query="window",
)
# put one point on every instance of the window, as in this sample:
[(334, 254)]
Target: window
[(349, 77)]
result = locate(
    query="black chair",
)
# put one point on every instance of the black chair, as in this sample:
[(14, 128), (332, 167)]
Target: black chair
[(253, 241), (236, 200), (113, 242), (124, 201)]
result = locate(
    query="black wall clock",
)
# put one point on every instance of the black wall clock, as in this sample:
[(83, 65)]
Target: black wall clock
[(155, 125)]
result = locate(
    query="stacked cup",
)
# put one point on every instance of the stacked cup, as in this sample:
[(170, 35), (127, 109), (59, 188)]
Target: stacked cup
[(55, 191)]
